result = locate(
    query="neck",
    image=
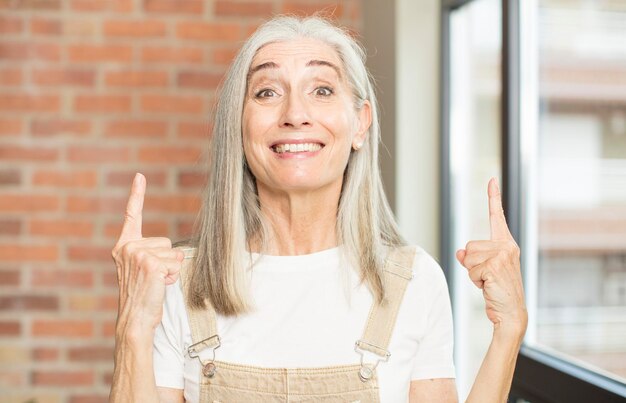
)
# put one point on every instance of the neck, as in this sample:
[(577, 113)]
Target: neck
[(300, 223)]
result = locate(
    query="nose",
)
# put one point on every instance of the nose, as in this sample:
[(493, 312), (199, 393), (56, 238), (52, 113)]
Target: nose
[(295, 112)]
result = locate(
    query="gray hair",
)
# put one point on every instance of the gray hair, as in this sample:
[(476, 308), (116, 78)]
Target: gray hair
[(231, 218)]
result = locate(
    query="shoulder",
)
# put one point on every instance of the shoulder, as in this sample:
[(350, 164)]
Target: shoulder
[(425, 265), (428, 276)]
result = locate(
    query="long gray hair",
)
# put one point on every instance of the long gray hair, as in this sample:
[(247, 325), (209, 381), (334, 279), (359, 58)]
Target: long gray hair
[(231, 217)]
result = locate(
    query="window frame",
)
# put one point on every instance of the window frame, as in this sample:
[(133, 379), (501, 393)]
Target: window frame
[(540, 377)]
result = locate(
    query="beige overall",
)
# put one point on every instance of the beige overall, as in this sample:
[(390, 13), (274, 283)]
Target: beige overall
[(223, 382)]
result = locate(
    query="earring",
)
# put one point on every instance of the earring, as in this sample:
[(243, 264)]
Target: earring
[(357, 146)]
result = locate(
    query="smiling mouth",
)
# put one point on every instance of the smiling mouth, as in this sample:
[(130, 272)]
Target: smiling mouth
[(297, 148)]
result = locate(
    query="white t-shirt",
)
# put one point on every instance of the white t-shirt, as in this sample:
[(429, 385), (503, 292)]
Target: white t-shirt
[(309, 312)]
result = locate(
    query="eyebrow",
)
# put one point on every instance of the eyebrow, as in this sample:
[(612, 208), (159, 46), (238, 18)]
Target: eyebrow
[(272, 65)]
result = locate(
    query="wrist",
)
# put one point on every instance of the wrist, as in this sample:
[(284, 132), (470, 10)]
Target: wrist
[(133, 334), (510, 332)]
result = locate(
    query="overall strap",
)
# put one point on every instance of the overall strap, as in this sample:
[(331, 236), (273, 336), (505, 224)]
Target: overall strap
[(202, 322), (397, 273)]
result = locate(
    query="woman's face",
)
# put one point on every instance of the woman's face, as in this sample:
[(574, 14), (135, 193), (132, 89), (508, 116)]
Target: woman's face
[(299, 119)]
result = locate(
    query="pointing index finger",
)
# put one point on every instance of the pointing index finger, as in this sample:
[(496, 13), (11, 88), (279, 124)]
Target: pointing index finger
[(133, 217), (497, 221)]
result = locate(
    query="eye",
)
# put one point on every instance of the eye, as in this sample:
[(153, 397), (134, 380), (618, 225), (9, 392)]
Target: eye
[(265, 93), (324, 91)]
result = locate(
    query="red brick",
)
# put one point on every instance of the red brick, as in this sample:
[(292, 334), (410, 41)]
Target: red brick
[(174, 6), (125, 178), (10, 25), (23, 153), (197, 130), (11, 77), (10, 277), (90, 353), (107, 378), (10, 328), (169, 154), (94, 154), (45, 354), (136, 79), (10, 226), (86, 253), (119, 6), (61, 228), (15, 379), (196, 79), (62, 278), (184, 229), (35, 4), (328, 10), (62, 378), (151, 54), (136, 128), (10, 127), (243, 8), (102, 103), (91, 303), (45, 26), (134, 29), (63, 328), (108, 329), (82, 179), (224, 56), (208, 31), (191, 179), (83, 204), (28, 253), (28, 203), (172, 204), (81, 28), (54, 127), (109, 279), (65, 77), (21, 51), (172, 103), (29, 103), (10, 177), (90, 398), (29, 303), (100, 53), (149, 229)]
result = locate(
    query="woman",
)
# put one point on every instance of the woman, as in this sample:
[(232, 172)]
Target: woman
[(297, 255)]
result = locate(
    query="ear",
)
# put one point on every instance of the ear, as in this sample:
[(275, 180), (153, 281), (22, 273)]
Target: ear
[(364, 121)]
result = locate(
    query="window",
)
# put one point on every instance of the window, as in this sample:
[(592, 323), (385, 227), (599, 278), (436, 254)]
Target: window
[(556, 129), (474, 149)]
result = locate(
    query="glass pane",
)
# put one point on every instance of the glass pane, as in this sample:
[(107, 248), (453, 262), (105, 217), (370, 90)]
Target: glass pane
[(581, 182), (475, 92)]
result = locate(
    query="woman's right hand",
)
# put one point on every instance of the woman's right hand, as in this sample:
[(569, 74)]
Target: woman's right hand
[(144, 267)]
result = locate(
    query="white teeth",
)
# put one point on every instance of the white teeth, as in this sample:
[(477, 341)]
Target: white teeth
[(296, 148)]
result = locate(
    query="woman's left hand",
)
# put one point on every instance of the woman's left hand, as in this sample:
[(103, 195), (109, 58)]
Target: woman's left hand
[(494, 267)]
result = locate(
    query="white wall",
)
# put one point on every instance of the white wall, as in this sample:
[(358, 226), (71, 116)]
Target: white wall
[(417, 121)]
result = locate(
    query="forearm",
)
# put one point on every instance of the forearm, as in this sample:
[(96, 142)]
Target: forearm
[(494, 378), (133, 377)]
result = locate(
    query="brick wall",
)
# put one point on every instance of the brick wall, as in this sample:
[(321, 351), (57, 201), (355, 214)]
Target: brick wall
[(90, 93)]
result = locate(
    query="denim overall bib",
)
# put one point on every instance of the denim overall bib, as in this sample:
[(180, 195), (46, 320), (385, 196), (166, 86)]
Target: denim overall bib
[(223, 382)]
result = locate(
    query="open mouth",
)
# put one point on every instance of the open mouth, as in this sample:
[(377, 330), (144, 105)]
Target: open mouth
[(296, 147)]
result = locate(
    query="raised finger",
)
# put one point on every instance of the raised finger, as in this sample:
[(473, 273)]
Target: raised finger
[(133, 216), (497, 221)]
